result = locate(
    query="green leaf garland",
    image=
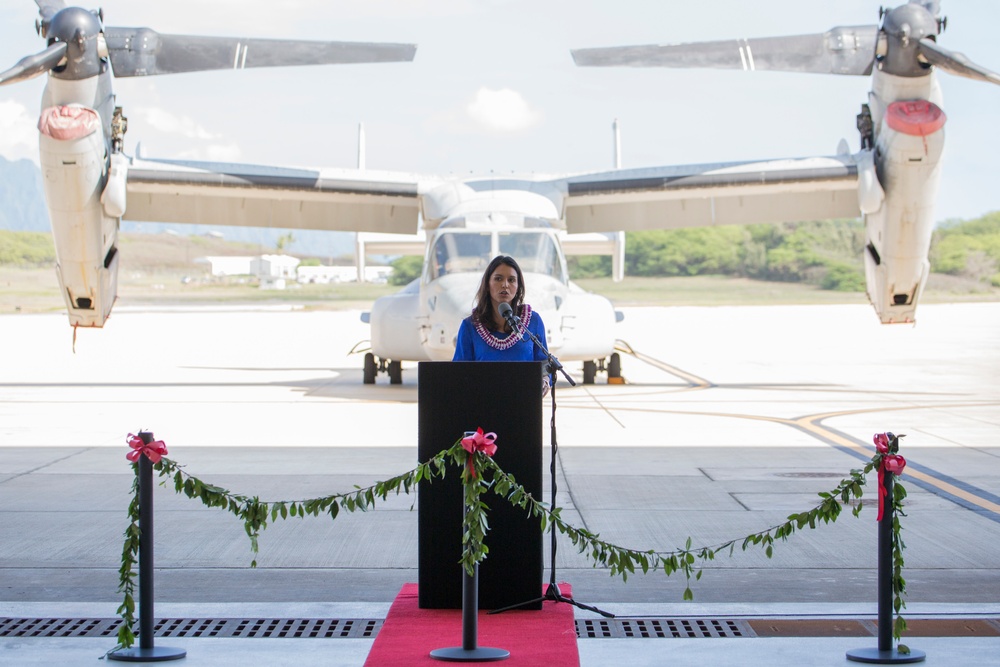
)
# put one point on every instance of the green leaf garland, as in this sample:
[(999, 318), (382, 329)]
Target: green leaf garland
[(620, 561)]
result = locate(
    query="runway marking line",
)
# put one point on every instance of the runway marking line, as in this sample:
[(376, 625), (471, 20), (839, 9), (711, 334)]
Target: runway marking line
[(812, 424)]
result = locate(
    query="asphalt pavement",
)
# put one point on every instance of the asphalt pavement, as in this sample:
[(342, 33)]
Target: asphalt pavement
[(731, 419)]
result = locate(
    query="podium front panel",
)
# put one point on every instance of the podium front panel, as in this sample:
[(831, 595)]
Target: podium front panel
[(504, 397)]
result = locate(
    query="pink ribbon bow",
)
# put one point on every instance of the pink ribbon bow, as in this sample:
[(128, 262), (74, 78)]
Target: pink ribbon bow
[(891, 463), (479, 442), (154, 450)]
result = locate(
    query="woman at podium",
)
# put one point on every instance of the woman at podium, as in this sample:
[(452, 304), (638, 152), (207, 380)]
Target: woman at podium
[(486, 335)]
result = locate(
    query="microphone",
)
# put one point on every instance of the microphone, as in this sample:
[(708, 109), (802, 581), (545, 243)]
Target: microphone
[(507, 313)]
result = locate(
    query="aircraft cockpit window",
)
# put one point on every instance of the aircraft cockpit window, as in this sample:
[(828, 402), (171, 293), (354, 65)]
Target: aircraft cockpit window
[(460, 253), (535, 252)]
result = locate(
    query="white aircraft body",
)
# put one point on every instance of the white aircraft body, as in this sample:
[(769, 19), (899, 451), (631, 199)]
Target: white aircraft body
[(91, 184), (482, 220)]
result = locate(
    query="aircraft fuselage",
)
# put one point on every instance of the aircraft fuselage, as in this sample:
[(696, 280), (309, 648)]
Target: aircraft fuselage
[(421, 321)]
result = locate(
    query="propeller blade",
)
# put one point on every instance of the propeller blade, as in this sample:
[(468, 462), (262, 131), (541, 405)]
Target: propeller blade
[(49, 8), (955, 62), (842, 50), (145, 52), (31, 66)]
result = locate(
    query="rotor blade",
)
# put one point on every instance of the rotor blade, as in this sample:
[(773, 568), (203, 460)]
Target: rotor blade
[(48, 8), (31, 66), (842, 50), (955, 62), (145, 52)]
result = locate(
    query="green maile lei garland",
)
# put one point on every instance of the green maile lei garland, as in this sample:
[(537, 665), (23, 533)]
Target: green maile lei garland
[(620, 561)]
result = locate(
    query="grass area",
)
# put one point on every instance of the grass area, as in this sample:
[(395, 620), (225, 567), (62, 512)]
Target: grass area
[(32, 290), (161, 269), (726, 291), (37, 290), (712, 291), (170, 287)]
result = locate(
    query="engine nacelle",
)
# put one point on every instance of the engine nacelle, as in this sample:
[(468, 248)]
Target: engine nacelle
[(585, 326), (394, 320), (909, 147), (74, 164)]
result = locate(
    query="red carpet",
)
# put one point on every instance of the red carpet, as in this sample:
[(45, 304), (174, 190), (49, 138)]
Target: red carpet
[(409, 634)]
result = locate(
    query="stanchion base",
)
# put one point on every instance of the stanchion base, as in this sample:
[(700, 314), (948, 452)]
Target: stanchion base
[(892, 656), (459, 654), (152, 654)]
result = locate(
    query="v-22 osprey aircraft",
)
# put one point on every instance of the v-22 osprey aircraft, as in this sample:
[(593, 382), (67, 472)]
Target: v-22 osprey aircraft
[(91, 184)]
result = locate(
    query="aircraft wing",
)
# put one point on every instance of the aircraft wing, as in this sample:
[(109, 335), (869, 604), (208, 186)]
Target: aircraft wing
[(713, 194), (265, 196)]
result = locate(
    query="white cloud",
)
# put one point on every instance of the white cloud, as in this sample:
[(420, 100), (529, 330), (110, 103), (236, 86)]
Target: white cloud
[(183, 138), (168, 123), (502, 110), (18, 133)]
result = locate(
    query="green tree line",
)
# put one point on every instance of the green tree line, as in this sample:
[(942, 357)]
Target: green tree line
[(969, 248), (26, 249), (827, 253)]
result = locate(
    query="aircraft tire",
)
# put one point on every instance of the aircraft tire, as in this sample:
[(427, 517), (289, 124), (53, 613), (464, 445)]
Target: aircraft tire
[(615, 366), (370, 368), (589, 372), (395, 372)]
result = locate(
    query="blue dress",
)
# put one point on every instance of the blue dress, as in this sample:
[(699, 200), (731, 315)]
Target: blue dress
[(471, 346)]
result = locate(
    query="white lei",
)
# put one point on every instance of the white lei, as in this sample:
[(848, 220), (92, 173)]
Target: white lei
[(511, 340)]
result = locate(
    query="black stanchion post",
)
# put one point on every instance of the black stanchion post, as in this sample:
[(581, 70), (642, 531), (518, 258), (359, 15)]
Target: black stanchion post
[(470, 611), (885, 570), (885, 653), (470, 651), (146, 651)]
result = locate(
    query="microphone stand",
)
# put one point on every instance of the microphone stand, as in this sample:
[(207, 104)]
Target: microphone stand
[(552, 591)]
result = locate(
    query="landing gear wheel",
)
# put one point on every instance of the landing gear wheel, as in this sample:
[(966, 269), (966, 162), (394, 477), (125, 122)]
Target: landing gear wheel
[(615, 368), (395, 372), (370, 368), (589, 372)]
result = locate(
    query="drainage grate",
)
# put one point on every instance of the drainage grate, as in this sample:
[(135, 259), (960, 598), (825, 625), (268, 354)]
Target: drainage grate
[(661, 628), (366, 628), (239, 628)]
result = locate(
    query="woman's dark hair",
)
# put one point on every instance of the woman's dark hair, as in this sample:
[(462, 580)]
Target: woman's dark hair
[(482, 310)]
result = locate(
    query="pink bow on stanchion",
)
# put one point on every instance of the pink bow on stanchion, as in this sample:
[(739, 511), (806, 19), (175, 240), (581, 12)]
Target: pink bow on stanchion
[(478, 442), (154, 450), (892, 463)]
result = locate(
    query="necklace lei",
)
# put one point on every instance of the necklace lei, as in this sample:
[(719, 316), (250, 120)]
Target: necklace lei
[(510, 341)]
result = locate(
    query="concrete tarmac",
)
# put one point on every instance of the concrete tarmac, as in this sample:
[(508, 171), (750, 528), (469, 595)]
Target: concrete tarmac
[(732, 418)]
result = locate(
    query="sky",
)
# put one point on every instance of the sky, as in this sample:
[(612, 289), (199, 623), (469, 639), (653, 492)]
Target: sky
[(493, 89)]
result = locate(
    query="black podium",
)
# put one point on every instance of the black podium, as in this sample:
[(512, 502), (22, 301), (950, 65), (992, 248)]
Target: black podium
[(504, 397)]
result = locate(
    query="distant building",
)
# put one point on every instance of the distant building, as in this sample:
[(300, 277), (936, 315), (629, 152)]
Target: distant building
[(272, 270), (323, 275), (341, 274), (274, 266), (227, 266), (377, 274)]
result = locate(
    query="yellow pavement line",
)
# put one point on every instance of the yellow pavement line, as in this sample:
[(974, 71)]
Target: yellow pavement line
[(810, 424), (695, 381)]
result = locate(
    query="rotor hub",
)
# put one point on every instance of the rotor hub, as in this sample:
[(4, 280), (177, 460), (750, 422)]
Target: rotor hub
[(80, 30), (903, 28)]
